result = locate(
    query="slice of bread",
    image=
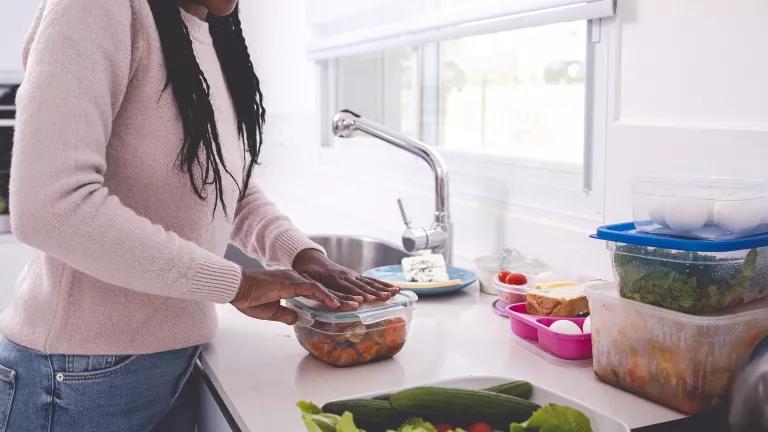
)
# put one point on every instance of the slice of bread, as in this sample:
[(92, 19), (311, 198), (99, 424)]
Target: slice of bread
[(561, 299)]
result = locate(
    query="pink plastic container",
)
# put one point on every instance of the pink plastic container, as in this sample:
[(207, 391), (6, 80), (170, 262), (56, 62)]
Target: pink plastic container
[(536, 328)]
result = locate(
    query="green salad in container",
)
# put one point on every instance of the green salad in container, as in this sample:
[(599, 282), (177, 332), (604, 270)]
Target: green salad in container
[(691, 282)]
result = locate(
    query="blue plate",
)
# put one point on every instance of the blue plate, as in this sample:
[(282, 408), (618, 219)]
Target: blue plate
[(395, 273)]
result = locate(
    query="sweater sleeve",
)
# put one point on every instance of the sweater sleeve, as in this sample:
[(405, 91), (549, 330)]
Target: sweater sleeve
[(78, 63), (262, 231)]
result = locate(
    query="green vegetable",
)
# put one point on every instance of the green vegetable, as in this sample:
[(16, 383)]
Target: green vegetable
[(370, 414), (554, 418), (415, 424), (690, 282), (315, 420), (462, 406), (3, 206), (347, 424), (521, 389)]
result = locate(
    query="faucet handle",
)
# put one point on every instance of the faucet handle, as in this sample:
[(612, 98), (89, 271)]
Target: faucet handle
[(403, 213)]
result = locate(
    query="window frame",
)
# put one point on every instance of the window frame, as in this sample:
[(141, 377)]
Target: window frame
[(554, 181)]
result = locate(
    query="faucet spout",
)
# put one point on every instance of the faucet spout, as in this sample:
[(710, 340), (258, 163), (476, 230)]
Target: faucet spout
[(346, 123)]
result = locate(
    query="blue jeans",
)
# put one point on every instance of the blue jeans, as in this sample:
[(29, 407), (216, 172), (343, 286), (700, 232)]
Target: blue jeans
[(103, 393)]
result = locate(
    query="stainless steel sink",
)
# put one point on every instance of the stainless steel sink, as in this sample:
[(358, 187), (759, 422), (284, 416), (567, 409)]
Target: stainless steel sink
[(355, 252)]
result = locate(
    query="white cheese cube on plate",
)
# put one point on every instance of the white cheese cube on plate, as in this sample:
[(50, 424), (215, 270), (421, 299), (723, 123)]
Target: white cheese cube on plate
[(425, 268)]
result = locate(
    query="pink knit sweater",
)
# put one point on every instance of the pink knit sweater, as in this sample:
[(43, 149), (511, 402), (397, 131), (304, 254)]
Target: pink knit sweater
[(128, 259)]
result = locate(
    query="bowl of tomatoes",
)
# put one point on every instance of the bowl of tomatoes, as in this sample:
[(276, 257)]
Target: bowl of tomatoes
[(512, 286)]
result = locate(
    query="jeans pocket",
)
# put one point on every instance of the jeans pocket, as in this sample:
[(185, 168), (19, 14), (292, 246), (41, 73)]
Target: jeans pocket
[(83, 368), (7, 390)]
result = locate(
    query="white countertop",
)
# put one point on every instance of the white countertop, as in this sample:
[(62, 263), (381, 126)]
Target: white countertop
[(260, 370)]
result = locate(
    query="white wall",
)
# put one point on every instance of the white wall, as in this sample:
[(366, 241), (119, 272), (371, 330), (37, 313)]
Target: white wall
[(14, 23), (686, 96)]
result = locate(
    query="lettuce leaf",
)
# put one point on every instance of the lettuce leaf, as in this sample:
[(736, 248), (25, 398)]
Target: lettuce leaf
[(317, 421), (554, 418)]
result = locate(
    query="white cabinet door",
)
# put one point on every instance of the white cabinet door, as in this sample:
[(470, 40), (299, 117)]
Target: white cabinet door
[(13, 257), (14, 23)]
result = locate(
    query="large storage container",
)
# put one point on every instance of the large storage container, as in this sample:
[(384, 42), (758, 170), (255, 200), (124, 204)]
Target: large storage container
[(712, 208), (683, 361), (692, 276)]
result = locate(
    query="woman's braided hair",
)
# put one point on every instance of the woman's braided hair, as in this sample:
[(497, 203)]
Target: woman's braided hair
[(201, 147)]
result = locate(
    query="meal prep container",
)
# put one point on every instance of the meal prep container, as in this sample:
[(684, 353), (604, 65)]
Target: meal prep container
[(489, 266), (536, 328), (683, 361), (511, 294), (692, 276), (373, 332), (707, 208)]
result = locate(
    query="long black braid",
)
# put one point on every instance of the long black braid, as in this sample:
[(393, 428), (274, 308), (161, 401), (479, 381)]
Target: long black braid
[(192, 93)]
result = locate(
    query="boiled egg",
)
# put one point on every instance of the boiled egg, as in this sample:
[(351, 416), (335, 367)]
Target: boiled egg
[(739, 216), (545, 277), (656, 211), (565, 327), (587, 326), (685, 214)]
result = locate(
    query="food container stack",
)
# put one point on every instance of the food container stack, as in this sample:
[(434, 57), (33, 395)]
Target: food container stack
[(689, 302)]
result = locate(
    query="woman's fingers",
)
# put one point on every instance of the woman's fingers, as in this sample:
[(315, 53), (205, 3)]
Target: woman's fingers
[(381, 285), (272, 312), (366, 287), (312, 290), (348, 297)]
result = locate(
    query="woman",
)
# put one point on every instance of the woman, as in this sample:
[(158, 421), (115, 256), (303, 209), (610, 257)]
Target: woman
[(139, 124)]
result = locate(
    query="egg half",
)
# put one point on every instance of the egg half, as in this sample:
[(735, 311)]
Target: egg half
[(587, 326)]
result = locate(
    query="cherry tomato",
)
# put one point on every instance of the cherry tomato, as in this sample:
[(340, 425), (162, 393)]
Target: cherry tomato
[(516, 279), (443, 427), (503, 275), (480, 427)]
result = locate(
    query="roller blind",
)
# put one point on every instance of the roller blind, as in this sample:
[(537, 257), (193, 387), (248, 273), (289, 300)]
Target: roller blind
[(345, 27)]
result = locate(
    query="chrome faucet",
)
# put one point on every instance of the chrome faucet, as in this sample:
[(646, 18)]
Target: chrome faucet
[(436, 237)]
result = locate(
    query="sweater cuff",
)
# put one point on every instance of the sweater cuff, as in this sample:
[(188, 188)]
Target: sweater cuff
[(216, 280), (289, 243)]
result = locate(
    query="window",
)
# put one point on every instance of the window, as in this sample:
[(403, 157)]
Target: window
[(517, 93)]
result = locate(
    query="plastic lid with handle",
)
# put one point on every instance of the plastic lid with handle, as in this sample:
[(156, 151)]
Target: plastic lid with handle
[(310, 311)]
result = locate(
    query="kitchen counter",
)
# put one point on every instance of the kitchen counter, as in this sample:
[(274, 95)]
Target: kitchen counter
[(260, 371)]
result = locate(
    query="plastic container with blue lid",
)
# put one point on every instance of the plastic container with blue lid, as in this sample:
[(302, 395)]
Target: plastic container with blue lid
[(687, 275), (373, 332)]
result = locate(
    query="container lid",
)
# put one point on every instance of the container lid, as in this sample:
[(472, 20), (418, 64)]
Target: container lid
[(747, 312), (627, 233), (310, 310)]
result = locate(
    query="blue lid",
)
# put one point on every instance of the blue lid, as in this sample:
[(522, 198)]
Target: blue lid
[(626, 233)]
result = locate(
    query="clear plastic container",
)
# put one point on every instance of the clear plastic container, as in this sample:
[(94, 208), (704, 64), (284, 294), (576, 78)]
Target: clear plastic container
[(707, 208), (691, 276), (375, 331), (511, 294), (489, 266), (685, 362)]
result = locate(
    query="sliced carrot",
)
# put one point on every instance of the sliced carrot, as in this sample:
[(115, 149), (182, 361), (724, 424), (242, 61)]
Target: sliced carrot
[(342, 356), (395, 335)]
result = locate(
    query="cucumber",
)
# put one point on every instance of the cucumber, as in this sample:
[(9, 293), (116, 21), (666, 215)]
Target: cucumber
[(369, 414), (521, 389), (384, 397), (463, 406)]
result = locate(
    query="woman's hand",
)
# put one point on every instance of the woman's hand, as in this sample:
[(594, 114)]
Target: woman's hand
[(260, 293), (314, 265)]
